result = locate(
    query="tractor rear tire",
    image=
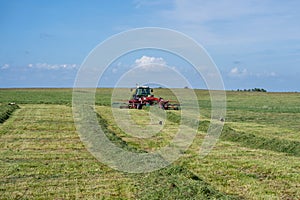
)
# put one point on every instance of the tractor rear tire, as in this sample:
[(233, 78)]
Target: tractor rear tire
[(139, 106)]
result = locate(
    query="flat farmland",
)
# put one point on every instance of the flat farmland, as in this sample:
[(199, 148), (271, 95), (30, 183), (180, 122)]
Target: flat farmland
[(256, 157)]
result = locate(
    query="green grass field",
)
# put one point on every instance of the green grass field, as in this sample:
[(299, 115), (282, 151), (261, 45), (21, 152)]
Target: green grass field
[(42, 156)]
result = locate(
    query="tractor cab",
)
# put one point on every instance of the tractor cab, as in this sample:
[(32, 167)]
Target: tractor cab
[(143, 91)]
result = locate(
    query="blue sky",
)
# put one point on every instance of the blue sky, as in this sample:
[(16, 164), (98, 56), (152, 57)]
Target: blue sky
[(254, 43)]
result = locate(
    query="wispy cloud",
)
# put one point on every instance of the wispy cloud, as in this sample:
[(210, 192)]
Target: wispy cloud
[(266, 74), (203, 11), (238, 22), (236, 72), (48, 66), (5, 66)]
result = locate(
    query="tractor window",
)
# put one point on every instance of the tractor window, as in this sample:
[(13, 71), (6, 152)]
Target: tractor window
[(138, 91), (143, 91), (146, 91)]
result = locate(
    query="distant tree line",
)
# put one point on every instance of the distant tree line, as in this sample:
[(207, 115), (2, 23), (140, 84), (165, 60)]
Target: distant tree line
[(252, 90)]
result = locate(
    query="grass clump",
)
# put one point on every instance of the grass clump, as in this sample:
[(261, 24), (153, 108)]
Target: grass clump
[(259, 142), (176, 182), (113, 137), (254, 141), (175, 118), (6, 111)]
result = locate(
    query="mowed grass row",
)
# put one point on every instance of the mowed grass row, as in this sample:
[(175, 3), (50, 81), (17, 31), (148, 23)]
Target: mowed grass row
[(270, 124), (6, 110), (232, 167), (248, 139), (42, 157)]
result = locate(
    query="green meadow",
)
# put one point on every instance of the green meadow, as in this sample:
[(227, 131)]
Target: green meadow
[(256, 157)]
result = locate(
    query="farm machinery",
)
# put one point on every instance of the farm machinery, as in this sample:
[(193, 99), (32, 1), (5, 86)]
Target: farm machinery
[(143, 97)]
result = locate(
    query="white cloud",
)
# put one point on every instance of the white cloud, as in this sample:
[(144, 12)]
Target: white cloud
[(236, 72), (154, 70), (150, 63), (266, 74), (273, 74), (5, 66), (52, 66), (150, 69), (203, 11), (114, 70)]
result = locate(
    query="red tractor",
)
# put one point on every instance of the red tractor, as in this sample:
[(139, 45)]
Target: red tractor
[(143, 97)]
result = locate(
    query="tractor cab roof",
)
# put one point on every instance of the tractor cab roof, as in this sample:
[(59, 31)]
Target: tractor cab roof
[(144, 86)]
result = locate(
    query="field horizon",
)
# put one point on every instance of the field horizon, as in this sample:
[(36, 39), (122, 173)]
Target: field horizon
[(226, 90)]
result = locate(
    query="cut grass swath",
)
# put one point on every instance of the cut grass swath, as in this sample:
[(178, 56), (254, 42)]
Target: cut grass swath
[(259, 142), (6, 111), (247, 139), (112, 136), (176, 182)]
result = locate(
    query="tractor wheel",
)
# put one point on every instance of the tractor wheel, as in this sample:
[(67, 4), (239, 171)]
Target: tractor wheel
[(139, 106)]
